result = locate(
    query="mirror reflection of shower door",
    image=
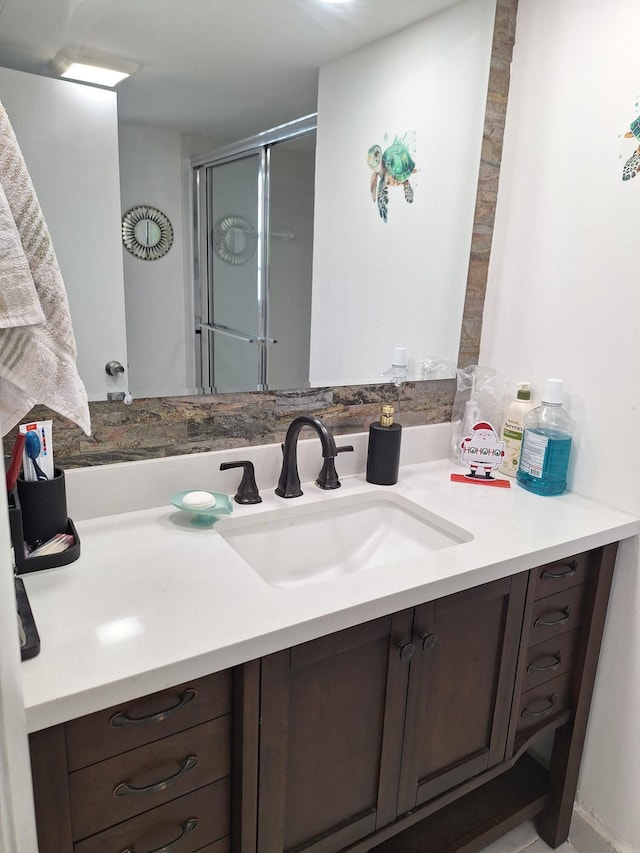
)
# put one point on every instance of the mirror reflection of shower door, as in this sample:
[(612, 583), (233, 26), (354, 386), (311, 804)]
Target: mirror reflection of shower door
[(234, 305), (253, 226)]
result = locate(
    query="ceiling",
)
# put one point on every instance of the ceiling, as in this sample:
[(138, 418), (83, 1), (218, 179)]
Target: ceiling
[(227, 68)]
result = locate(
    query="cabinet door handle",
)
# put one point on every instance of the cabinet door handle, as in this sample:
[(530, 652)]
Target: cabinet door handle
[(549, 575), (125, 788), (557, 660), (122, 719), (543, 711), (550, 623), (187, 827), (429, 641), (407, 650)]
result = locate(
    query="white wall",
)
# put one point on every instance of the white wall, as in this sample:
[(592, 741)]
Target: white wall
[(68, 136), (429, 80), (158, 296), (564, 300)]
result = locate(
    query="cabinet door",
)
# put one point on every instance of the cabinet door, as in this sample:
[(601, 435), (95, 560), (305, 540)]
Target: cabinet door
[(460, 688), (332, 713)]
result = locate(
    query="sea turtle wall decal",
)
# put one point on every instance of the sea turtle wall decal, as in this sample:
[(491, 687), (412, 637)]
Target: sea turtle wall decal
[(391, 168), (632, 166)]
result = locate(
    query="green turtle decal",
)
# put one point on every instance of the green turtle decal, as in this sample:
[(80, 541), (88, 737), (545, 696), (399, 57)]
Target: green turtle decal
[(391, 168), (632, 166)]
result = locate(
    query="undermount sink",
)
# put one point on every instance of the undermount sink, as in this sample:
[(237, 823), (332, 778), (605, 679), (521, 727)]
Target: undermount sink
[(308, 543)]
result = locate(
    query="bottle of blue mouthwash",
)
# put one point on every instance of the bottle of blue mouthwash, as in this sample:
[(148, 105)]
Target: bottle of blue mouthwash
[(546, 444)]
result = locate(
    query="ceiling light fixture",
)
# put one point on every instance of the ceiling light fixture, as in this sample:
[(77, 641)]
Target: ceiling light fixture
[(90, 67)]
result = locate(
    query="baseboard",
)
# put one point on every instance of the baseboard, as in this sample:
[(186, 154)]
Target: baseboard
[(588, 835)]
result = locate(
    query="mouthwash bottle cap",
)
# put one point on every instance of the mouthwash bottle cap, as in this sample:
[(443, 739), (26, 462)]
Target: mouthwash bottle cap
[(524, 391), (553, 392)]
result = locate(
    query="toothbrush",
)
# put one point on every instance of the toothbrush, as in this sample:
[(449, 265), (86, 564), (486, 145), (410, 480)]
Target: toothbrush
[(32, 449), (14, 464)]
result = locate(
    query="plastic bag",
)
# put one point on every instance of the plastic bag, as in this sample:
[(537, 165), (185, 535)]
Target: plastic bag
[(480, 396), (433, 367)]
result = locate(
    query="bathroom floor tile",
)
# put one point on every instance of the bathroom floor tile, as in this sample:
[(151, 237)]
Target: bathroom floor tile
[(540, 847), (524, 839), (518, 839)]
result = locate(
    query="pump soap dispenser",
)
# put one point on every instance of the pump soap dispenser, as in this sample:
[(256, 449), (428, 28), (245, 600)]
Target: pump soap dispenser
[(383, 456)]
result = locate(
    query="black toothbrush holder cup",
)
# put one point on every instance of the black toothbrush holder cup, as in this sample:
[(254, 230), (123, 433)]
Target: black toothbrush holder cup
[(44, 507)]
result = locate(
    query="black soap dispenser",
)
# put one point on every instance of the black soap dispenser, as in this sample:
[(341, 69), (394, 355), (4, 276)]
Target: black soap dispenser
[(383, 456)]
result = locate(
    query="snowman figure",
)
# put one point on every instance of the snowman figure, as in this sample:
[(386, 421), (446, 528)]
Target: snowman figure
[(482, 449)]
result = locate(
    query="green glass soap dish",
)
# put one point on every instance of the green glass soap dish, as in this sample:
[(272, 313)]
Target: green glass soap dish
[(207, 516)]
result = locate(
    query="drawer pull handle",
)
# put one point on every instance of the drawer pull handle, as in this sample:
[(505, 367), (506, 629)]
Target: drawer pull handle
[(551, 623), (122, 719), (549, 575), (557, 660), (543, 711), (125, 788), (187, 827)]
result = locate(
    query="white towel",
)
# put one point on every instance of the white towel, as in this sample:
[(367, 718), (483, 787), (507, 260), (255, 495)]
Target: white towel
[(37, 344), (19, 304)]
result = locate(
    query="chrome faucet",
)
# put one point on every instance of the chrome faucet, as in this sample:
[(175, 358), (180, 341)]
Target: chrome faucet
[(289, 482)]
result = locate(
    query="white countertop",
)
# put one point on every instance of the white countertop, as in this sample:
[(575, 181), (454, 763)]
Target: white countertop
[(154, 601)]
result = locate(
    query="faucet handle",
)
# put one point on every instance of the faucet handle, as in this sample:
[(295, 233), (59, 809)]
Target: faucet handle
[(247, 490), (328, 477)]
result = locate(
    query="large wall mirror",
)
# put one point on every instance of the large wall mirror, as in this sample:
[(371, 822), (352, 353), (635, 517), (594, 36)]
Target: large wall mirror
[(400, 96)]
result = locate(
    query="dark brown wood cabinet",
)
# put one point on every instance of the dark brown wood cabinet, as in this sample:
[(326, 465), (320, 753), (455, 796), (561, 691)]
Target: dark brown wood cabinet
[(361, 726), (558, 648), (149, 775), (406, 733), (460, 688), (331, 728)]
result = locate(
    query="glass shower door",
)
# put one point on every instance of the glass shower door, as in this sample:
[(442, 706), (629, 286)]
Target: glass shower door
[(291, 193), (234, 311), (253, 242)]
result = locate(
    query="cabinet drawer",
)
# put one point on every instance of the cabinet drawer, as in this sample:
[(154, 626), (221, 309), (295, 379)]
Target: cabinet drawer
[(223, 845), (132, 724), (562, 574), (128, 784), (544, 702), (550, 659), (556, 614), (154, 830)]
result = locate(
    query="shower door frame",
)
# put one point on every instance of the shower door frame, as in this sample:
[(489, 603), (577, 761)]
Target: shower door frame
[(203, 251)]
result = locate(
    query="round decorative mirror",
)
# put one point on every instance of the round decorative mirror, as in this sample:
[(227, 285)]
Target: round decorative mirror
[(234, 239), (146, 232)]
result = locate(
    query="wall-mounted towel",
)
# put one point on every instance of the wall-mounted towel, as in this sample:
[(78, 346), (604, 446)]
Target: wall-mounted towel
[(19, 303), (37, 344)]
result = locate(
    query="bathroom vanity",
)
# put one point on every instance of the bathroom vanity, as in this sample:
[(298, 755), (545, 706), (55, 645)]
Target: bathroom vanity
[(388, 708)]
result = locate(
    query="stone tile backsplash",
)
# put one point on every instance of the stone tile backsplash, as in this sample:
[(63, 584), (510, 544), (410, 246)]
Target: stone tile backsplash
[(173, 426)]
